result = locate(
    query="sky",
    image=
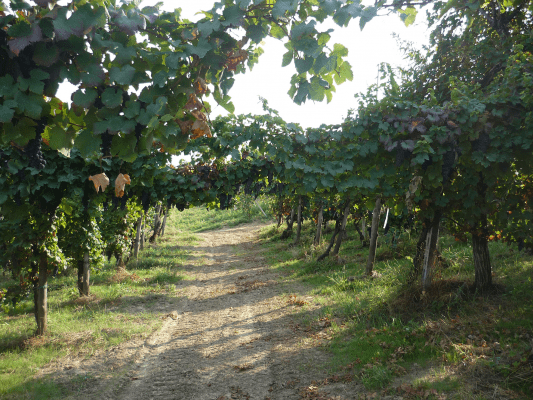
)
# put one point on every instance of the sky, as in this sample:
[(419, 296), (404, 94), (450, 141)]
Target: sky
[(367, 49)]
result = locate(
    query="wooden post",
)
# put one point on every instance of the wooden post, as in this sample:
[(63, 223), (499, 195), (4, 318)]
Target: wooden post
[(299, 228), (86, 274), (42, 295), (430, 254), (136, 244), (142, 230), (373, 238), (164, 224)]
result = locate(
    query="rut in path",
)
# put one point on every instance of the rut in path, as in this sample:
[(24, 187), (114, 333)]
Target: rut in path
[(232, 337)]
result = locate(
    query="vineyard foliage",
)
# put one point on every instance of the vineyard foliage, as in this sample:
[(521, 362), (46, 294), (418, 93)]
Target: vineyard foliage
[(446, 141)]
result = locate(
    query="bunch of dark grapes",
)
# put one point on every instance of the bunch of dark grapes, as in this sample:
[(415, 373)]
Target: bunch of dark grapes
[(85, 203), (270, 176), (426, 164), (17, 199), (400, 156), (222, 198), (106, 205), (115, 200), (34, 153), (145, 200), (482, 143), (448, 161), (138, 131), (248, 187), (169, 203), (123, 201), (3, 160), (181, 206), (106, 143)]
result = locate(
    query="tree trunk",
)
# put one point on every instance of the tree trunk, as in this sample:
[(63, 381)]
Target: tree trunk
[(290, 221), (419, 256), (299, 228), (136, 244), (332, 240), (430, 252), (280, 219), (342, 231), (164, 224), (142, 231), (42, 295), (364, 231), (157, 224), (373, 238), (86, 273), (483, 268), (318, 236)]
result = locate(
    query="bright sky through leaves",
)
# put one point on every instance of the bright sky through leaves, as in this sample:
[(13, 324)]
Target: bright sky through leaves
[(367, 49)]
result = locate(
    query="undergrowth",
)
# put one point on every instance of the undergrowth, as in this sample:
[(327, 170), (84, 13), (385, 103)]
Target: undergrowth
[(386, 328)]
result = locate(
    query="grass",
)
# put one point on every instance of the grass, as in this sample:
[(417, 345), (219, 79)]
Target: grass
[(123, 305), (119, 309), (451, 342), (381, 328)]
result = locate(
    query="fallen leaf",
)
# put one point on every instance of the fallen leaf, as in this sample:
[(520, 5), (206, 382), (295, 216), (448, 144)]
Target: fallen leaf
[(120, 182), (100, 181)]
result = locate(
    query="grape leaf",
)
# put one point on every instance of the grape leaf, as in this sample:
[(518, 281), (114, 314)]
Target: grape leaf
[(120, 183), (122, 75), (112, 97), (100, 181)]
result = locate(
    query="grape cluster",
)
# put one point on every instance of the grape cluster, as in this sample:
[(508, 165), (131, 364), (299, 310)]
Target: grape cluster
[(85, 203), (225, 200), (145, 200), (482, 143), (3, 160), (34, 153), (106, 144), (123, 201), (448, 161), (138, 131), (181, 206)]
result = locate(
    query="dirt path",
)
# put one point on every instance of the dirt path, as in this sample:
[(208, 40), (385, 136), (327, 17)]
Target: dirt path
[(230, 335)]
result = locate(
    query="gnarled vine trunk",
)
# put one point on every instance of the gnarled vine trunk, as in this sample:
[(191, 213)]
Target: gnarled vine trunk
[(331, 242), (290, 222), (420, 251), (482, 265), (320, 221), (430, 252), (164, 224), (84, 275), (342, 231)]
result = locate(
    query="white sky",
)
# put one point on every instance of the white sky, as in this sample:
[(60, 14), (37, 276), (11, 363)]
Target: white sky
[(367, 49)]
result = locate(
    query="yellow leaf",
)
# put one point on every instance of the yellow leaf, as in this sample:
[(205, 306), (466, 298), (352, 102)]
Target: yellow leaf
[(99, 181), (120, 183)]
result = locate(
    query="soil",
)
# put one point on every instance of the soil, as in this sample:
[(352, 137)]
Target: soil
[(231, 333)]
